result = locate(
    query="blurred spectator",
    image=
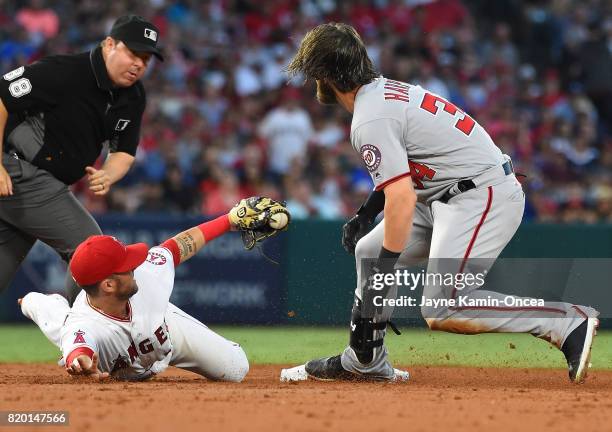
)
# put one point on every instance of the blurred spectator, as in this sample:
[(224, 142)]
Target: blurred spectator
[(222, 122), (300, 200), (596, 63), (40, 22), (221, 194), (287, 129)]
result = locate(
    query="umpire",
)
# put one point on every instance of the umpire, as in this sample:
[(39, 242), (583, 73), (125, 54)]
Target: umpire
[(55, 117)]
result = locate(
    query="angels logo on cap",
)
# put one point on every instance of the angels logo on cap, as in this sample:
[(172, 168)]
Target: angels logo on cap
[(371, 156)]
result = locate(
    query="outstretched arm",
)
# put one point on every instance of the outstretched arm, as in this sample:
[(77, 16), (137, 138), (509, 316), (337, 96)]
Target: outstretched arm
[(84, 365), (257, 217), (187, 243)]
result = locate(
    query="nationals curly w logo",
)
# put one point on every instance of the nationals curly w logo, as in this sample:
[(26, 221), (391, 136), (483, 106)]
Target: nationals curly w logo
[(371, 156)]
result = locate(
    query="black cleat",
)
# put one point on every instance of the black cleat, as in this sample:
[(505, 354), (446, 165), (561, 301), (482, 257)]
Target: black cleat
[(577, 349), (330, 369)]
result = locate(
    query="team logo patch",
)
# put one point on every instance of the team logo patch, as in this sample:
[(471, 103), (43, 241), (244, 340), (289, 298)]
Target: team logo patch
[(156, 258), (150, 34), (79, 337), (121, 124), (14, 74), (371, 156), (21, 87)]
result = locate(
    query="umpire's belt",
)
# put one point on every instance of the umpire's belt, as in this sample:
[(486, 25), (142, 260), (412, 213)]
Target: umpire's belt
[(487, 177)]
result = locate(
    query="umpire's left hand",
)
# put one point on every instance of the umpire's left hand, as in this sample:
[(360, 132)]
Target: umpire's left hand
[(6, 185), (99, 181)]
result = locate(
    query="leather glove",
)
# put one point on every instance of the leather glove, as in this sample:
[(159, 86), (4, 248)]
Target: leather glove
[(258, 218), (352, 231)]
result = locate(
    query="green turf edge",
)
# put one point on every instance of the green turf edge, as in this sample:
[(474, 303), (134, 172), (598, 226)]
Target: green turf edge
[(295, 345)]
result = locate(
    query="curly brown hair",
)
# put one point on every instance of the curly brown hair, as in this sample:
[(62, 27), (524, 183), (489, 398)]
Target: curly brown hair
[(335, 53)]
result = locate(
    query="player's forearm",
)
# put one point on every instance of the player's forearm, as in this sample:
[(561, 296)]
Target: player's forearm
[(117, 165), (398, 221), (400, 201), (187, 243)]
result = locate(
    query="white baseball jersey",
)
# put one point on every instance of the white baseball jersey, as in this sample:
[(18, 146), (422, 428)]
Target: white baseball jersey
[(402, 129), (134, 348)]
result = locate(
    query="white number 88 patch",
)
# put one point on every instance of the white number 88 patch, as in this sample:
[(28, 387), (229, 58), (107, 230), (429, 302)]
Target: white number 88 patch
[(20, 87)]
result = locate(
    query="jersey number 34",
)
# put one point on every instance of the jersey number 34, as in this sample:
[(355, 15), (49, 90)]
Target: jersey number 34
[(465, 124)]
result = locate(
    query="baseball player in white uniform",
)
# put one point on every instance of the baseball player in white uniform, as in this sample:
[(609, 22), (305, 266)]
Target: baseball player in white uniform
[(447, 192), (122, 324)]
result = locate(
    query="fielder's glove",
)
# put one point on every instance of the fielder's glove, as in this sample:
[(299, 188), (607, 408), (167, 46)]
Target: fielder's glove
[(258, 218), (353, 231)]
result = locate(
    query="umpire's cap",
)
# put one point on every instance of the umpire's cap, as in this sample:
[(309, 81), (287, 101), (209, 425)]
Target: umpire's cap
[(100, 256), (137, 33)]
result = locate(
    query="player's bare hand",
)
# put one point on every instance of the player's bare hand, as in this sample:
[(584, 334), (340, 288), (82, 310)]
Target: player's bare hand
[(86, 367), (6, 185), (99, 181)]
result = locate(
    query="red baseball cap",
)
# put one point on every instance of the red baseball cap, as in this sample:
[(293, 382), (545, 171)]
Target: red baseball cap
[(100, 256)]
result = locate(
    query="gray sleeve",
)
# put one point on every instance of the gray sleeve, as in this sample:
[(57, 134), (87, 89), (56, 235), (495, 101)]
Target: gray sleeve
[(379, 142)]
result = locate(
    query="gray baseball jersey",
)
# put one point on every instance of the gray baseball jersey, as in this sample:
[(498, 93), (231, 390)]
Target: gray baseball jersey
[(402, 129)]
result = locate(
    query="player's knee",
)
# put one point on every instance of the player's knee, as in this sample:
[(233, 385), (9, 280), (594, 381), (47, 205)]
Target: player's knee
[(29, 303), (434, 323), (455, 325), (366, 249), (238, 367), (24, 304), (436, 318)]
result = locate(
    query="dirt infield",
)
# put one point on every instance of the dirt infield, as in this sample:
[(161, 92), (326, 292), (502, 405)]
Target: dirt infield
[(437, 398)]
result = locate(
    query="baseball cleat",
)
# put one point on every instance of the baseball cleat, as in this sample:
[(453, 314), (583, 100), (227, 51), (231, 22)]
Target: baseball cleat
[(577, 349), (330, 369)]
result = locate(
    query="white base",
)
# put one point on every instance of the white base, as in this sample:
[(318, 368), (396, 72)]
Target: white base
[(297, 373)]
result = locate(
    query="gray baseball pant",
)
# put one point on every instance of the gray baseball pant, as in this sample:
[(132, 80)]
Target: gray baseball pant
[(41, 208), (475, 224)]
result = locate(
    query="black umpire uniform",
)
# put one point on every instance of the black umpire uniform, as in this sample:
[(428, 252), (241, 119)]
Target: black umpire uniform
[(61, 111)]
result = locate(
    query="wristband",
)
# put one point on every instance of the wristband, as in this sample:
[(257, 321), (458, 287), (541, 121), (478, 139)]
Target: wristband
[(372, 206), (387, 260)]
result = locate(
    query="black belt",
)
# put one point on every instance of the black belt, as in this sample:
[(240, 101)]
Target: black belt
[(466, 185)]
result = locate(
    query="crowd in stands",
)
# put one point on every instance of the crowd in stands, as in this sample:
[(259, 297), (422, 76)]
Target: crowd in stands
[(223, 121)]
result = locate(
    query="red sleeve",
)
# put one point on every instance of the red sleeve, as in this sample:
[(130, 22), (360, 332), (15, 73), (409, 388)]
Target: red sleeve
[(171, 245), (215, 228), (84, 350)]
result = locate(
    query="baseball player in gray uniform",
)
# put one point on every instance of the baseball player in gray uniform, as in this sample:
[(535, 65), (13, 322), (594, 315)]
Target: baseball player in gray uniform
[(447, 192)]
